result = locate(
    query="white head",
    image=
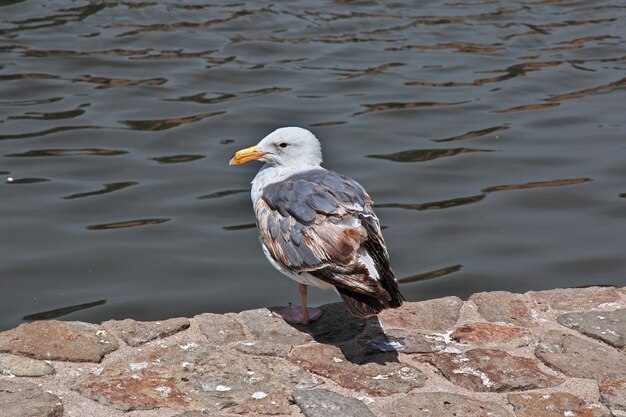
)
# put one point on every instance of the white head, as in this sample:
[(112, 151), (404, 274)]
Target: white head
[(287, 147)]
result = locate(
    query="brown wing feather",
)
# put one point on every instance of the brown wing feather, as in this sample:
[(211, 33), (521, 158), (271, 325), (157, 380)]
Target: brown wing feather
[(317, 224)]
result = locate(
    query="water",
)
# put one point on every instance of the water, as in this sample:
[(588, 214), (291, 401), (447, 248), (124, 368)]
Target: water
[(490, 134)]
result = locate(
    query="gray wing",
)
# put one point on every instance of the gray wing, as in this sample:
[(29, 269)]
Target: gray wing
[(316, 221)]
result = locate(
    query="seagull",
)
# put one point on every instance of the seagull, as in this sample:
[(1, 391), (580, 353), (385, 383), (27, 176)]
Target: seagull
[(318, 227)]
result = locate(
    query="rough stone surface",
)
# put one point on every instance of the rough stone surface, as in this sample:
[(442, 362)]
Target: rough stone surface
[(192, 376), (492, 370), (503, 307), (23, 399), (491, 335), (580, 358), (613, 394), (442, 404), (379, 374), (404, 341), (609, 326), (576, 299), (220, 329), (58, 340), (136, 333), (432, 315), (325, 403), (265, 327), (336, 325), (253, 364), (558, 404), (21, 366)]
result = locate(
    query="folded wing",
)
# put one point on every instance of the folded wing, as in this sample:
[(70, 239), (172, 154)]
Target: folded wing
[(322, 223)]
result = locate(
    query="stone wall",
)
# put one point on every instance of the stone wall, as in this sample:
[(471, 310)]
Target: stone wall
[(498, 354)]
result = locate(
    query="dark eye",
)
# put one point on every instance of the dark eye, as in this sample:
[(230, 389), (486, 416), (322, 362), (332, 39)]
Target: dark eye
[(283, 145)]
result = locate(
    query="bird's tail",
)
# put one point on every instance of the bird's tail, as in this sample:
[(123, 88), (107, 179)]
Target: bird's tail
[(368, 305)]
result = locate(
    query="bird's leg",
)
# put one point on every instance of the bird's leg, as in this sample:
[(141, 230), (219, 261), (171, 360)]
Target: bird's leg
[(305, 313), (299, 315)]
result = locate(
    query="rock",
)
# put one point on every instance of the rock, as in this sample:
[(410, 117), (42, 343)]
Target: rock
[(336, 325), (21, 366), (71, 341), (613, 394), (220, 329), (503, 307), (261, 348), (401, 340), (265, 327), (23, 399), (609, 326), (580, 358), (442, 404), (557, 404), (325, 403), (575, 299), (492, 370), (196, 376), (136, 333), (490, 335), (375, 374), (432, 315)]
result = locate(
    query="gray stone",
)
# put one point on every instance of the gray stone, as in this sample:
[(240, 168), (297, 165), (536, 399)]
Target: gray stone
[(576, 299), (580, 358), (503, 307), (492, 370), (379, 374), (197, 376), (325, 403), (220, 329), (442, 404), (608, 326), (71, 341), (613, 394), (23, 399), (489, 335), (557, 404), (433, 315), (336, 325), (136, 333), (264, 326), (402, 340), (21, 366), (261, 348)]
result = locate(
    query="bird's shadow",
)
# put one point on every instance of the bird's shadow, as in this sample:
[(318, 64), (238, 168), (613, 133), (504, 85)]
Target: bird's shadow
[(360, 340)]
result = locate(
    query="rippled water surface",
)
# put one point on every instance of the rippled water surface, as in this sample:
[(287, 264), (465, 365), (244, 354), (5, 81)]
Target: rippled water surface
[(491, 135)]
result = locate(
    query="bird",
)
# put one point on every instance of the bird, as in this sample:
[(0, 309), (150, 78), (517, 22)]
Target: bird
[(318, 227)]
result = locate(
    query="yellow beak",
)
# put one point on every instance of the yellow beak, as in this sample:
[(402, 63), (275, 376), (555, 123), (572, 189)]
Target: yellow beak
[(244, 155)]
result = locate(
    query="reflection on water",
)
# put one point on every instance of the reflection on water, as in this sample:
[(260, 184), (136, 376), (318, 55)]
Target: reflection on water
[(224, 193), (537, 184), (168, 123), (126, 224), (240, 227), (107, 188), (460, 201), (174, 159), (169, 90), (420, 155), (68, 152), (431, 274), (435, 205), (475, 133), (60, 312)]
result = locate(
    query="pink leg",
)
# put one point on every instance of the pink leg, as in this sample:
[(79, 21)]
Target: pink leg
[(299, 315)]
